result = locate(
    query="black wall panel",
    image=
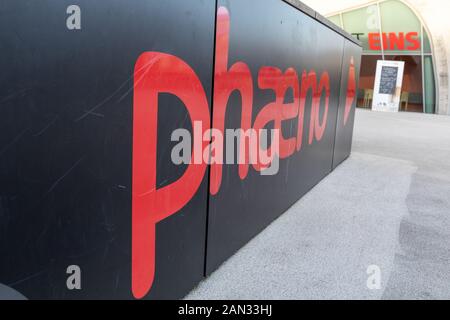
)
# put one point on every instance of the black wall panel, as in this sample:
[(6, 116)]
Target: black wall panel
[(66, 123), (284, 38), (347, 102), (86, 118)]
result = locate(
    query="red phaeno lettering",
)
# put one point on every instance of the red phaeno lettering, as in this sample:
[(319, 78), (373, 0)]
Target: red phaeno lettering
[(227, 80), (351, 90), (157, 73), (394, 41)]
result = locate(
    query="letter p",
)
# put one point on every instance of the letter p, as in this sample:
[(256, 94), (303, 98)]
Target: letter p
[(157, 73)]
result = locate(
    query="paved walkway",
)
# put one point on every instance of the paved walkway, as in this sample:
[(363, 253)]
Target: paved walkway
[(388, 205)]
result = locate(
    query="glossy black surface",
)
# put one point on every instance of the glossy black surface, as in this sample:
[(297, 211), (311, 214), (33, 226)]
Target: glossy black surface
[(66, 144), (344, 132), (66, 108), (285, 38)]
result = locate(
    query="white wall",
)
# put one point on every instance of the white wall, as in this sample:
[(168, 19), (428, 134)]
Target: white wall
[(435, 15)]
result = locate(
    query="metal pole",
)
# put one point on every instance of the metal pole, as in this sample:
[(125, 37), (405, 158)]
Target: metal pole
[(380, 28), (422, 56)]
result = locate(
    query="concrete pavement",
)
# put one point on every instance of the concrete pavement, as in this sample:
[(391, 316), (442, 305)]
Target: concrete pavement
[(388, 205)]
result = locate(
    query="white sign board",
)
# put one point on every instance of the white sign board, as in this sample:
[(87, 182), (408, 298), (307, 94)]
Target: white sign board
[(388, 86)]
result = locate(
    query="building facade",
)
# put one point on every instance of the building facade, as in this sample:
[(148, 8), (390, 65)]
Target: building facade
[(414, 31)]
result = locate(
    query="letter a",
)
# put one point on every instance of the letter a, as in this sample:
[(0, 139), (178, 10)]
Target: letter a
[(73, 22)]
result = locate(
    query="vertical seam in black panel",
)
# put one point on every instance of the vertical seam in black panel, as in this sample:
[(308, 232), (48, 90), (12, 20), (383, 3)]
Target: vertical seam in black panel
[(208, 195), (339, 105)]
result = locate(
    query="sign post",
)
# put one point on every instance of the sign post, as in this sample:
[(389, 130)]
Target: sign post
[(388, 86)]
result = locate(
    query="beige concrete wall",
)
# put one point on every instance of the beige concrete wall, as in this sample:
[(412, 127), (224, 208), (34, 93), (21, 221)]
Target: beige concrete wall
[(435, 15)]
